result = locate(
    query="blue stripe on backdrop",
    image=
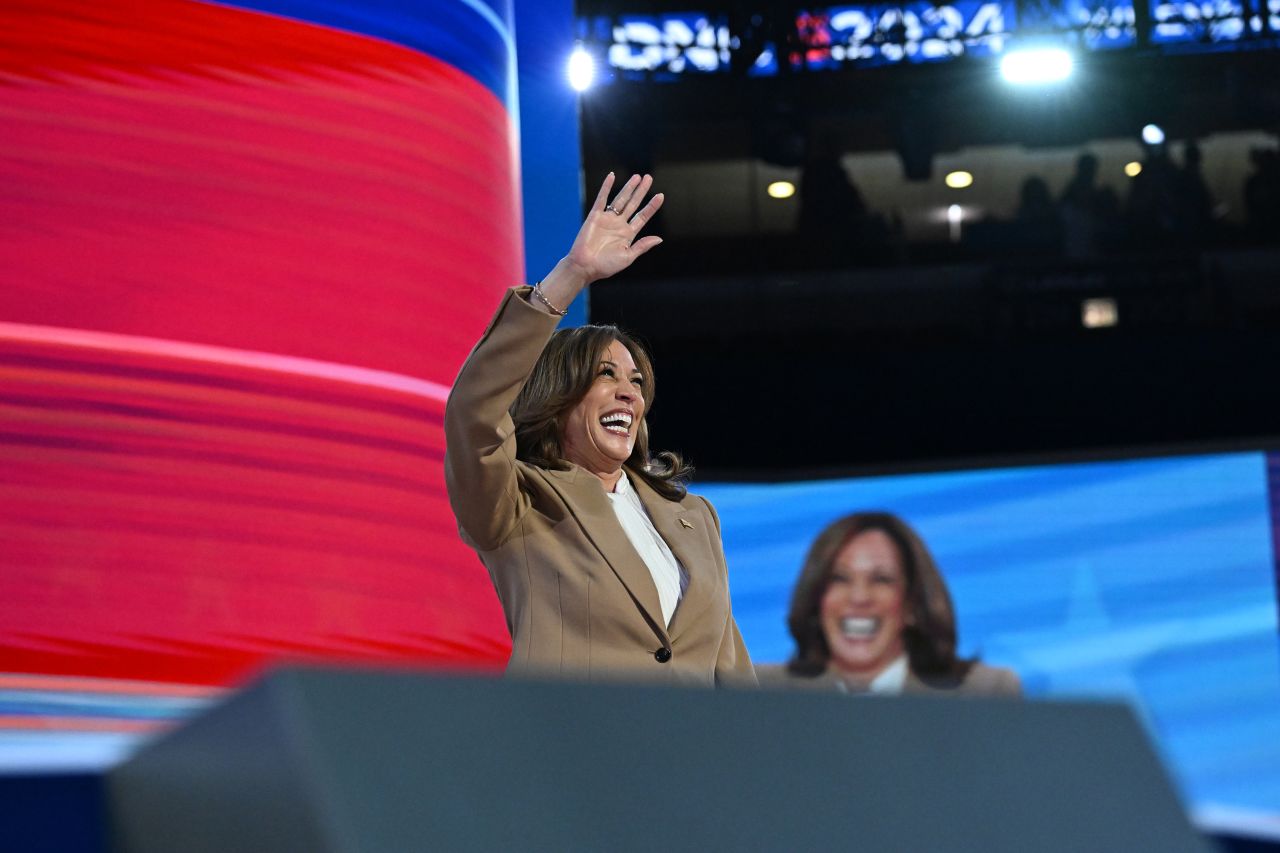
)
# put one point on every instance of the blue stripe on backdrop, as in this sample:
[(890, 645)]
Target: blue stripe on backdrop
[(550, 159), (480, 37), (99, 705), (1148, 580), (474, 36), (46, 752)]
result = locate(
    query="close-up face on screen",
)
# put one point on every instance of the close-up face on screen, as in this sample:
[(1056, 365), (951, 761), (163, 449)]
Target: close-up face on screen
[(331, 467), (1151, 580)]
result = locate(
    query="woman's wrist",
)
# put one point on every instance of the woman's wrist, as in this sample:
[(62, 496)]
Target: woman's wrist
[(546, 303), (565, 281)]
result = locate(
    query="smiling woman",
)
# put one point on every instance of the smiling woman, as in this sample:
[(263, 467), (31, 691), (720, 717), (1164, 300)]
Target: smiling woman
[(871, 613), (606, 566), (585, 402), (597, 431)]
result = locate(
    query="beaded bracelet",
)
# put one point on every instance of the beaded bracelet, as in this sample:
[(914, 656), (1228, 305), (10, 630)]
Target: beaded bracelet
[(537, 291)]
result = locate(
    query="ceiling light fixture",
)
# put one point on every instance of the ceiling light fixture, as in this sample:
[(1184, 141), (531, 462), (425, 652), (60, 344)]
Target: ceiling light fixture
[(781, 189)]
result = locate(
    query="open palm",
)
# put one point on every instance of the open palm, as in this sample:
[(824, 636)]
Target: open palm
[(607, 242)]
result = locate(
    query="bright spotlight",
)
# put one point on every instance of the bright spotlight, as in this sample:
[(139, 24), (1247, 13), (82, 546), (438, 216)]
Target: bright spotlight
[(1099, 313), (959, 180), (1036, 65), (781, 189), (1152, 134), (582, 69), (1133, 168)]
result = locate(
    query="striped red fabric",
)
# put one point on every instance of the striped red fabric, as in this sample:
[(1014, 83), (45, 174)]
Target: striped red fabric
[(243, 257), (208, 174)]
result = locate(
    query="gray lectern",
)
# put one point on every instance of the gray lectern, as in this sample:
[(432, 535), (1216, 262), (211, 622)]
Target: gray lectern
[(315, 761)]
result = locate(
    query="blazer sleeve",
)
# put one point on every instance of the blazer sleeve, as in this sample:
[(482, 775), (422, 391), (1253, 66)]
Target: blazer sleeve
[(984, 680), (733, 663), (1008, 684), (480, 468)]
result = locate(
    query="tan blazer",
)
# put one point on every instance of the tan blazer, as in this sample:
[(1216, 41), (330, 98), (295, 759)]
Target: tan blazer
[(578, 599), (981, 680)]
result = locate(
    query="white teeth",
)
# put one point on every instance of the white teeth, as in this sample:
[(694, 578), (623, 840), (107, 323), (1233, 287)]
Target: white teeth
[(617, 422), (856, 626)]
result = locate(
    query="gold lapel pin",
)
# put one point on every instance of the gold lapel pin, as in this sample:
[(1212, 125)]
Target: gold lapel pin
[(686, 524)]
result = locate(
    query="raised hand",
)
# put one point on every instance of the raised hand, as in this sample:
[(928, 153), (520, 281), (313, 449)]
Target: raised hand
[(609, 239), (606, 243)]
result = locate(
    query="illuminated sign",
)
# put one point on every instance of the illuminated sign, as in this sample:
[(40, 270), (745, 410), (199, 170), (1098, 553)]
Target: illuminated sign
[(667, 46), (673, 43), (1211, 21), (914, 32)]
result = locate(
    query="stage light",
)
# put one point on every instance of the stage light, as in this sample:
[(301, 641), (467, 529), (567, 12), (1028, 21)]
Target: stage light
[(781, 189), (959, 180), (1036, 65), (955, 216), (582, 69), (1099, 313), (1133, 168), (1152, 134)]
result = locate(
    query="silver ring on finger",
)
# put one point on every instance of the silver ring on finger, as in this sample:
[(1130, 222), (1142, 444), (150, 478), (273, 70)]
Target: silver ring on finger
[(612, 209)]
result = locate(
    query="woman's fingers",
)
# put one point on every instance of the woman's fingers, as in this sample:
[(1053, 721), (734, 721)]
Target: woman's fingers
[(636, 197), (607, 241), (643, 245), (604, 192), (624, 196), (647, 212)]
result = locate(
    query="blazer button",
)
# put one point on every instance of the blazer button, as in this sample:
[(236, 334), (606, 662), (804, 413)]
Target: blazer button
[(662, 655)]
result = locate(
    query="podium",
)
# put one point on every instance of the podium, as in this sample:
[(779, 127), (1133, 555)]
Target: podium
[(316, 760)]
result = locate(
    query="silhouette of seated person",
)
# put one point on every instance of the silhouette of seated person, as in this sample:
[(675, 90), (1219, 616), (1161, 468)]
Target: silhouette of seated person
[(1194, 222), (1089, 213), (1036, 226), (1154, 209), (1262, 196)]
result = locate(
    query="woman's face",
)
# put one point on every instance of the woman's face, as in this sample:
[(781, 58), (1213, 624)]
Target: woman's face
[(863, 609), (600, 431)]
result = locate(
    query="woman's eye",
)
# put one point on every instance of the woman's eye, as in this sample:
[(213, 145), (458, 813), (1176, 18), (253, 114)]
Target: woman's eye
[(606, 371), (637, 380)]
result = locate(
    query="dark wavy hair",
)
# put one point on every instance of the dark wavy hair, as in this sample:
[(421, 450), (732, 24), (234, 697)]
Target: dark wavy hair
[(561, 377), (929, 635)]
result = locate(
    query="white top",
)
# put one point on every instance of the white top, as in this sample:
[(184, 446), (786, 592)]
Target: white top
[(890, 682), (668, 575)]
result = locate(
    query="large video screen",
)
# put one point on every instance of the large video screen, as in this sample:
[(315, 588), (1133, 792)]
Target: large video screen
[(1150, 581)]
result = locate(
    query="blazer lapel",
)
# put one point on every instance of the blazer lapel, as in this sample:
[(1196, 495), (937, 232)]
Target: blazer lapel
[(587, 500), (686, 533)]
